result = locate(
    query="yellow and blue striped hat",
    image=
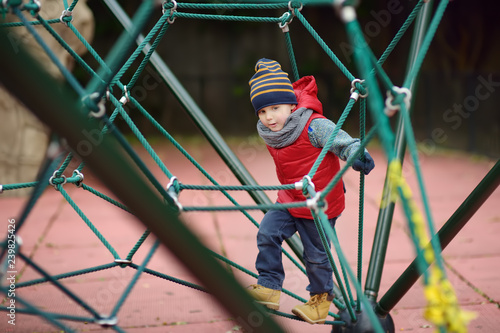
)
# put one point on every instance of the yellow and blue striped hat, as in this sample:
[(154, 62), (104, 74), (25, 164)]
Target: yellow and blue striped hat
[(270, 85)]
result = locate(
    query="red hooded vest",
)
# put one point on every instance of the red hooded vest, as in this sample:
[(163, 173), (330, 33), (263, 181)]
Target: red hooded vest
[(295, 161)]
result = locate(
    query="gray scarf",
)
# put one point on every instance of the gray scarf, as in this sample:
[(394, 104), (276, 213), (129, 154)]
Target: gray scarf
[(289, 133)]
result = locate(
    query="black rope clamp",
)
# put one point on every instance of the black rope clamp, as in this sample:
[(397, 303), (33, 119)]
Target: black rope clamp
[(390, 108), (171, 17)]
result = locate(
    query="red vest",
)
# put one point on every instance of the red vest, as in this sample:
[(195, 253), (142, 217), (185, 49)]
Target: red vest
[(295, 161)]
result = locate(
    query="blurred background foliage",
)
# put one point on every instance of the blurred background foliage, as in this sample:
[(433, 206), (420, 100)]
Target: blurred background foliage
[(214, 61)]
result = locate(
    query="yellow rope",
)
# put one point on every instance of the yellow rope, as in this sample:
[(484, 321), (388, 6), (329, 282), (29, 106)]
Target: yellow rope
[(442, 306)]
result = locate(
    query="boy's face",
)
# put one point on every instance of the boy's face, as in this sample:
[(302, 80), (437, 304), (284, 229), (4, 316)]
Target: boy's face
[(274, 116)]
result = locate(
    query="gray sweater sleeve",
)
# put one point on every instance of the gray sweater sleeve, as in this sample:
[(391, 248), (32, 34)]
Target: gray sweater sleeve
[(343, 146)]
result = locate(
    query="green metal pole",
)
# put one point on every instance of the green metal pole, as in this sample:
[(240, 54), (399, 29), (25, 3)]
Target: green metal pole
[(384, 221), (203, 123), (56, 105), (450, 229)]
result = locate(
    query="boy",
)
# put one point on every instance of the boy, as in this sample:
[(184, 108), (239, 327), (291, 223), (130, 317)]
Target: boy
[(292, 124)]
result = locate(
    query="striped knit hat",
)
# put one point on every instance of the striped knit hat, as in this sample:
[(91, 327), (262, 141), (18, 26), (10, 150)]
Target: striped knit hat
[(270, 85)]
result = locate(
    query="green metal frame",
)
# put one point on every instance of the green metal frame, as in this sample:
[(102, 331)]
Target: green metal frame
[(384, 221)]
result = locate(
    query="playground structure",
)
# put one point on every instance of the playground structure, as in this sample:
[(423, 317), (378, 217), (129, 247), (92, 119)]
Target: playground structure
[(112, 160)]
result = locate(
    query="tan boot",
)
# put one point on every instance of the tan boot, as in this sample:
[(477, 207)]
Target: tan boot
[(315, 310), (265, 296)]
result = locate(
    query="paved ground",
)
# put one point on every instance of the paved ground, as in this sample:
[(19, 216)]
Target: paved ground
[(58, 240)]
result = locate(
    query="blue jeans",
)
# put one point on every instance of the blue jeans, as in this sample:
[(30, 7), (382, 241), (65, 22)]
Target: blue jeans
[(278, 225)]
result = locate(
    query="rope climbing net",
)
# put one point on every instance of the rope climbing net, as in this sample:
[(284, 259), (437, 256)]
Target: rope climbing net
[(100, 92)]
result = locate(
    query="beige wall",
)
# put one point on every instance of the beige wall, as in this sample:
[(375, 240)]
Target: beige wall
[(23, 139)]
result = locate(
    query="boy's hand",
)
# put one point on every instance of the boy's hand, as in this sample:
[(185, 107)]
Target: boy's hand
[(365, 164)]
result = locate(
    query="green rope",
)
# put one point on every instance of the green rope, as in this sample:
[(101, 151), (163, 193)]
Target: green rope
[(87, 222), (237, 187), (18, 186), (53, 315), (60, 286), (36, 311), (401, 32), (245, 207), (347, 296), (66, 275), (331, 233), (159, 26), (431, 31), (64, 71), (363, 56), (291, 55), (331, 139), (134, 280), (416, 162), (323, 45), (143, 141), (228, 18), (362, 129), (22, 24), (138, 244), (170, 278), (68, 48), (105, 197), (228, 6), (347, 165), (375, 99)]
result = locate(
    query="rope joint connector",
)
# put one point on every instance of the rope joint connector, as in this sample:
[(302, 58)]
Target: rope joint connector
[(172, 191), (315, 204), (345, 9), (55, 180), (390, 108), (123, 261), (356, 91), (63, 19), (306, 182), (91, 102), (1, 189), (78, 174), (171, 17), (107, 321), (33, 7), (286, 19), (125, 98)]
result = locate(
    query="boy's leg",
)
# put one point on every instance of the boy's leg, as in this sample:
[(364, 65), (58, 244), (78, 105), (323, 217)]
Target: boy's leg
[(276, 226), (319, 270)]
